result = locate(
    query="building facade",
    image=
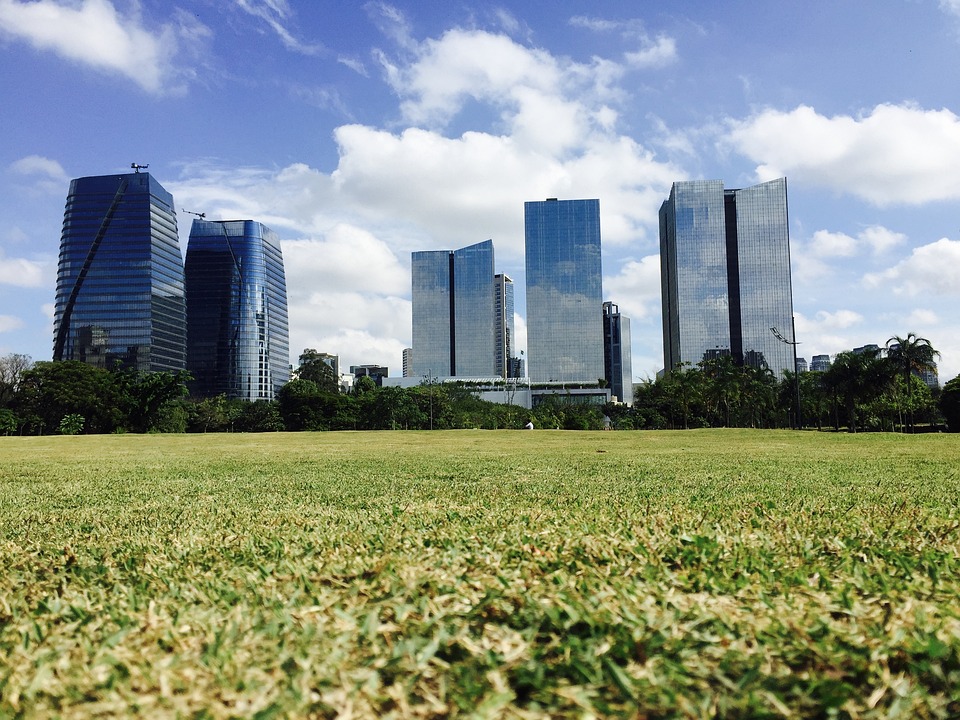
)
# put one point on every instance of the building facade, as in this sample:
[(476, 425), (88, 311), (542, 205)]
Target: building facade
[(617, 354), (564, 292), (408, 362), (237, 328), (725, 275), (453, 312), (503, 309), (120, 283)]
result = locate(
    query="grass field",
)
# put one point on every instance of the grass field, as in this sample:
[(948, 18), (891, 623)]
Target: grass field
[(488, 574)]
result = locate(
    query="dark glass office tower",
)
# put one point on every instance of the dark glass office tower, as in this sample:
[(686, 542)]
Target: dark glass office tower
[(725, 275), (617, 353), (503, 325), (120, 286), (453, 312), (237, 332), (564, 296)]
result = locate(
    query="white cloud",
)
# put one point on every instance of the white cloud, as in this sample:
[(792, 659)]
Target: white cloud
[(839, 320), (9, 322), (830, 244), (896, 154), (21, 272), (656, 54), (636, 288), (37, 165), (951, 6), (94, 33), (922, 318), (875, 239), (932, 269), (276, 13)]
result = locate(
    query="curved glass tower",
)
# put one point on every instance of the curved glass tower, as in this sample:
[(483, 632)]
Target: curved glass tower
[(237, 331), (120, 288)]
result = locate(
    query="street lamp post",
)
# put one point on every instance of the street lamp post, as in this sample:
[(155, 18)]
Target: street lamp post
[(796, 375)]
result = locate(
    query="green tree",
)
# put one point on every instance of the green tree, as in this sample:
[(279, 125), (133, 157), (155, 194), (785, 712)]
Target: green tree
[(316, 370), (857, 379), (12, 368), (912, 355), (147, 396), (50, 390), (950, 404)]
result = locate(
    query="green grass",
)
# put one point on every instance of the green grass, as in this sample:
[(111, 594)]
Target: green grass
[(489, 574)]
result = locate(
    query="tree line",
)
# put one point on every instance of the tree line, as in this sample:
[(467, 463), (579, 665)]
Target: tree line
[(872, 390)]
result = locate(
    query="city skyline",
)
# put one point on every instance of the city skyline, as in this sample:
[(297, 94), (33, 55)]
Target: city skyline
[(362, 132)]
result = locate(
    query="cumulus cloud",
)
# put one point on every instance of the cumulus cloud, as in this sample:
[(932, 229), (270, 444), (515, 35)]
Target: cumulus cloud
[(636, 288), (9, 322), (875, 239), (895, 154), (348, 233), (951, 6), (932, 269), (94, 33), (21, 272)]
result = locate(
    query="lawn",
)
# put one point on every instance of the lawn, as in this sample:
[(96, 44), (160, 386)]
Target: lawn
[(491, 574)]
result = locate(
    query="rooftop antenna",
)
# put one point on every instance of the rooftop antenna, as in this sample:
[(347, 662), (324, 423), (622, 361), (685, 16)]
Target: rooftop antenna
[(137, 167), (202, 216)]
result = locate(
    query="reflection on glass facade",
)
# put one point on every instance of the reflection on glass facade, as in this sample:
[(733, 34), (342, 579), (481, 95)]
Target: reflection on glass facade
[(503, 325), (453, 312), (120, 286), (237, 331), (564, 296), (725, 274), (617, 354)]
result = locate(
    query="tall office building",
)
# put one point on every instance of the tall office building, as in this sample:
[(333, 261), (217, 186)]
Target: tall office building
[(408, 362), (453, 312), (503, 325), (725, 275), (617, 354), (120, 290), (564, 296), (237, 332)]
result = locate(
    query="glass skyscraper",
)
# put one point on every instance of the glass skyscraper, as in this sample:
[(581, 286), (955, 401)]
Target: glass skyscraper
[(617, 353), (725, 274), (564, 295), (237, 332), (453, 312), (120, 283), (503, 325)]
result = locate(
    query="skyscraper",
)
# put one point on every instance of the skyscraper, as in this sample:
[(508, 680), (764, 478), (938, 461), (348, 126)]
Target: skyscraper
[(453, 312), (617, 353), (725, 275), (503, 324), (120, 286), (564, 296), (237, 333)]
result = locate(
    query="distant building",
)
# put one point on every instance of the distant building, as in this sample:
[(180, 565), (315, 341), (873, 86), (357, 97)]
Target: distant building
[(801, 365), (237, 328), (120, 286), (503, 309), (725, 275), (408, 362), (820, 363), (564, 294), (376, 372), (453, 312), (871, 348), (618, 368)]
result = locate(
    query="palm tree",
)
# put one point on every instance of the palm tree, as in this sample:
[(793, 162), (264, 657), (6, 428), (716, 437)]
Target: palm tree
[(911, 355)]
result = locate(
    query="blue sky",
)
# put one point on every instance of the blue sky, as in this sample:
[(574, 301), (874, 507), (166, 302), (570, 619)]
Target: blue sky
[(363, 131)]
